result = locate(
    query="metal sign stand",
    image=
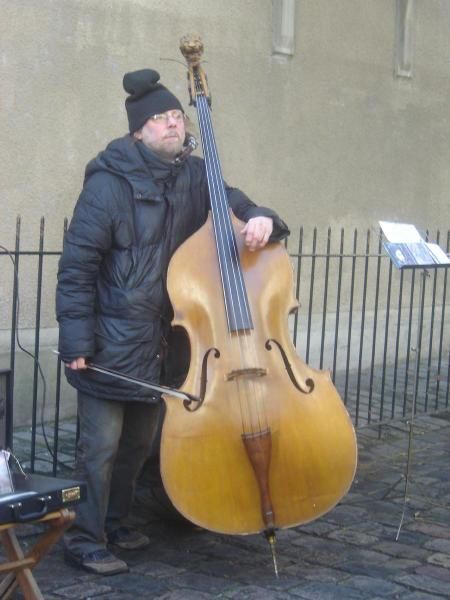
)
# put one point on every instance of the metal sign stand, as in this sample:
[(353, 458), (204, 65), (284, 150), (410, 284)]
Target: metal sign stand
[(415, 255), (423, 274)]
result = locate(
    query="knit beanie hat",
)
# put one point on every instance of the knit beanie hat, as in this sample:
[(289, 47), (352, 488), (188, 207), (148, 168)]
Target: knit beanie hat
[(147, 97)]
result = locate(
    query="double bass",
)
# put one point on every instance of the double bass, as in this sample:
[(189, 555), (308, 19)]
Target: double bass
[(261, 441)]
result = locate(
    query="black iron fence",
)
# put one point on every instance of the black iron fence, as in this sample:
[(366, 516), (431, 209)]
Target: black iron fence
[(383, 333)]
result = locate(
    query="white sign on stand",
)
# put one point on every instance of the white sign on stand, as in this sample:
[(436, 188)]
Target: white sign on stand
[(406, 247)]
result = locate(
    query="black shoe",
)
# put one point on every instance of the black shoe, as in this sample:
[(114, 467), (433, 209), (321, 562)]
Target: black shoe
[(128, 539), (101, 562)]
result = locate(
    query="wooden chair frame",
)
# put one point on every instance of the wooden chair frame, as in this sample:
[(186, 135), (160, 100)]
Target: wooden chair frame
[(19, 565)]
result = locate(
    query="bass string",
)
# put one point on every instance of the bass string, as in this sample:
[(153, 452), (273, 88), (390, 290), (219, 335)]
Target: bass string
[(235, 307), (253, 414)]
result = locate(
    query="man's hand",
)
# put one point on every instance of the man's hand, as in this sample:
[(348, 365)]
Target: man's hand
[(257, 231), (78, 363)]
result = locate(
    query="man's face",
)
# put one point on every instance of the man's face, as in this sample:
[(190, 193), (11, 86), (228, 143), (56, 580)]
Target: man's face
[(164, 134)]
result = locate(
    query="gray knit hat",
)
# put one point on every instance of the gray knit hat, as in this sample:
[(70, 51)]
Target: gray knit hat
[(147, 97)]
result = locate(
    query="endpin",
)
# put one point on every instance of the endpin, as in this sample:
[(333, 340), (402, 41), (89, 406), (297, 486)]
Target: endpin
[(271, 538)]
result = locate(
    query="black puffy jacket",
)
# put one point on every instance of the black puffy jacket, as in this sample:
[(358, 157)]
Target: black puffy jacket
[(111, 300)]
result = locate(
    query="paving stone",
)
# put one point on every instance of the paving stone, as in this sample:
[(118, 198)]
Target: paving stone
[(22, 435), (370, 527), (402, 550), (424, 583), (413, 538), (329, 591), (317, 573), (182, 594), (434, 571), (156, 569), (268, 580), (441, 545), (124, 596), (430, 529), (19, 596), (232, 549), (440, 559), (346, 515), (254, 592), (319, 527), (331, 553), (431, 423), (385, 512), (203, 583), (353, 537), (420, 596), (83, 591), (374, 585), (218, 567), (439, 514), (322, 555), (384, 570), (136, 583)]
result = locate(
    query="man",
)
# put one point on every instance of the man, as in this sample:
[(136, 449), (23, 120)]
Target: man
[(142, 197)]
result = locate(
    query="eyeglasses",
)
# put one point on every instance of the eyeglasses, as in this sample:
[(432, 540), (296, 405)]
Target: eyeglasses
[(176, 115)]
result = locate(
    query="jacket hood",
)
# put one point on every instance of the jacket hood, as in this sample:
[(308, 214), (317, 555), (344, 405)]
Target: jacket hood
[(128, 158)]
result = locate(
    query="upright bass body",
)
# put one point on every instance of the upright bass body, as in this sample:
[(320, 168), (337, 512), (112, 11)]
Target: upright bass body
[(270, 444)]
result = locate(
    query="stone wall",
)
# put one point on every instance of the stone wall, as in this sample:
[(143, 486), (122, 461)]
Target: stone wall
[(326, 133)]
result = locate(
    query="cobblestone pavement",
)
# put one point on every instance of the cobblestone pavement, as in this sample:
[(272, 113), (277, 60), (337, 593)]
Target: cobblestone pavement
[(350, 553)]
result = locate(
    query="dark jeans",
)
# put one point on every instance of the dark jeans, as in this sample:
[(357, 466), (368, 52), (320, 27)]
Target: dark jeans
[(115, 440)]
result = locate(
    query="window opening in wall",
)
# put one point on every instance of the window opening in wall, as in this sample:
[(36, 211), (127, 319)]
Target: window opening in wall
[(283, 27), (404, 21)]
